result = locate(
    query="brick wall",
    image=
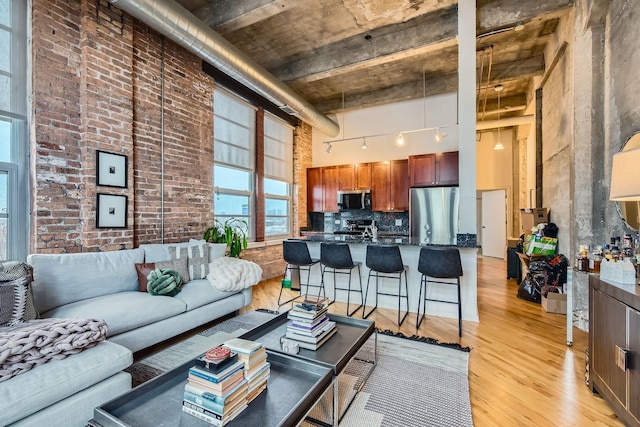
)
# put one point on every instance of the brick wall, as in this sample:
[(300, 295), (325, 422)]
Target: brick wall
[(99, 86)]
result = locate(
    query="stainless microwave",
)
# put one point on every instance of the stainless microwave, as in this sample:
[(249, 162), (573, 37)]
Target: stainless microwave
[(354, 200)]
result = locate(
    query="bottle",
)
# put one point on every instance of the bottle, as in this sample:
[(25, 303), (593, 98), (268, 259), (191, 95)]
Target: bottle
[(595, 260), (579, 257)]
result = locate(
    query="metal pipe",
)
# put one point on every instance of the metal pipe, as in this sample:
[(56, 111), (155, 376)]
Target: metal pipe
[(162, 56), (178, 24), (506, 122)]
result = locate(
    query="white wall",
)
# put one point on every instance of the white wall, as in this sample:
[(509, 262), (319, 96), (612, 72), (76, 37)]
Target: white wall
[(434, 111), (494, 168)]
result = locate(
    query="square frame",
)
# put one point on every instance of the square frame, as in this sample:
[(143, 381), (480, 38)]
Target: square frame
[(111, 211), (111, 169)]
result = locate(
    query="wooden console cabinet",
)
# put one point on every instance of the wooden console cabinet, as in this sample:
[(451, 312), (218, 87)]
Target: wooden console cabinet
[(614, 325)]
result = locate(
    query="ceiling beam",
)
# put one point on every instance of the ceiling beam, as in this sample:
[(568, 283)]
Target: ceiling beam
[(425, 34), (504, 72), (396, 93), (226, 16), (496, 14)]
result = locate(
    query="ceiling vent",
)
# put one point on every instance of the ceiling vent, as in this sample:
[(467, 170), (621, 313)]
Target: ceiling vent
[(287, 109)]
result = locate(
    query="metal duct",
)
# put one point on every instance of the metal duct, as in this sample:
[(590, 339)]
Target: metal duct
[(509, 121), (178, 24)]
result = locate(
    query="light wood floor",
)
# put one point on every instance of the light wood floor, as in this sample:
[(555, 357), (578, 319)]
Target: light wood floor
[(521, 373)]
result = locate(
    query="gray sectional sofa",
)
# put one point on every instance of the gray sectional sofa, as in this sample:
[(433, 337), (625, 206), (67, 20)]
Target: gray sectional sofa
[(104, 285)]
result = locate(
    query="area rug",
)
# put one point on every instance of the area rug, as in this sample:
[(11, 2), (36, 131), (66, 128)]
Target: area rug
[(416, 382)]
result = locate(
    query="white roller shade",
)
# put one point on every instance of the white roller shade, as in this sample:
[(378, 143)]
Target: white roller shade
[(234, 130), (278, 149)]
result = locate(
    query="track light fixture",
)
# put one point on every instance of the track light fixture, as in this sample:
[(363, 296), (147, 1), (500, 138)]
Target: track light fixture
[(364, 145), (400, 140), (440, 135), (328, 149)]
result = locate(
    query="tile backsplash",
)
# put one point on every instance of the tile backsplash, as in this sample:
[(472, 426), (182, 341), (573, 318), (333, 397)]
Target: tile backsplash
[(387, 222)]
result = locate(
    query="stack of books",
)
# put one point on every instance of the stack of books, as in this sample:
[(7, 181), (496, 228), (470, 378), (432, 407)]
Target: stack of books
[(216, 390), (309, 324), (256, 367)]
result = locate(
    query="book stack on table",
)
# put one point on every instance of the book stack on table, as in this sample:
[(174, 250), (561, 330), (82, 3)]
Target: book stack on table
[(216, 390), (309, 324), (256, 367)]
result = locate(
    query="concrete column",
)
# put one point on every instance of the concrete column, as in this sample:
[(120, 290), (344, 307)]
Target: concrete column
[(467, 114)]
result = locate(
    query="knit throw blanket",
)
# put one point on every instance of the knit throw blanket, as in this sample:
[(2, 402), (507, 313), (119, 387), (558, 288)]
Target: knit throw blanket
[(29, 344), (233, 274)]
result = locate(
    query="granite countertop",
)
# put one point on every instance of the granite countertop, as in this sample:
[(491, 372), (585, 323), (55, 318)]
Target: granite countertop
[(381, 240)]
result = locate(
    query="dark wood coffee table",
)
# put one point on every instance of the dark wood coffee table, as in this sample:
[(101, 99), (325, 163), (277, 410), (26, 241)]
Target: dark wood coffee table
[(336, 353), (294, 388)]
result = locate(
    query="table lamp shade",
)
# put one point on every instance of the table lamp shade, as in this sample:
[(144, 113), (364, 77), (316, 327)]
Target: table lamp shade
[(625, 180)]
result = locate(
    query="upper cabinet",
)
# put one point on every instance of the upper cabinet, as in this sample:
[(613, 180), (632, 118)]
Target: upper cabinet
[(388, 181), (354, 177), (330, 184), (315, 198), (436, 169)]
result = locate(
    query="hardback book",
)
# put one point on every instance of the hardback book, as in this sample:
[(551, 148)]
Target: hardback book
[(216, 408), (237, 392), (220, 389), (300, 311), (255, 393), (307, 326), (258, 380), (217, 377), (305, 317), (255, 363), (312, 346), (250, 376), (250, 359), (328, 327), (314, 303), (242, 346), (211, 417), (214, 366), (314, 332)]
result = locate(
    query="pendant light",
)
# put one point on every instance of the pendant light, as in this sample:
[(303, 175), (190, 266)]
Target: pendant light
[(498, 145)]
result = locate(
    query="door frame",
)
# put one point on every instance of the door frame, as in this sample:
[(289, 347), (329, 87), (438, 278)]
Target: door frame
[(508, 213)]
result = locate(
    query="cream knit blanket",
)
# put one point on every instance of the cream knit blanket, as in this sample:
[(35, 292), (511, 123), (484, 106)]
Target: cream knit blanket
[(29, 344), (233, 274)]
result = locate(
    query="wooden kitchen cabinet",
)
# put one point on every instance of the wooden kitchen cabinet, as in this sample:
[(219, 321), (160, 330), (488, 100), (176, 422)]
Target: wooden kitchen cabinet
[(380, 188), (435, 169), (390, 186), (399, 172), (315, 198), (330, 185), (614, 321), (354, 177)]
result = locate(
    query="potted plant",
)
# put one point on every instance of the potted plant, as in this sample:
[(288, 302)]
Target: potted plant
[(232, 232)]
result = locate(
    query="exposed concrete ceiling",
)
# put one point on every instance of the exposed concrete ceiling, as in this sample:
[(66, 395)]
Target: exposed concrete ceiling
[(349, 54)]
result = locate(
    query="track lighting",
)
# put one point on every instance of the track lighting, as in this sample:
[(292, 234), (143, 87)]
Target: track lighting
[(400, 140), (440, 135), (328, 149), (364, 145)]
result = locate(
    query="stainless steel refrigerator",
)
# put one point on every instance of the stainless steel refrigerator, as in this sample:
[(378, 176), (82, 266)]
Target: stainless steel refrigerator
[(433, 215)]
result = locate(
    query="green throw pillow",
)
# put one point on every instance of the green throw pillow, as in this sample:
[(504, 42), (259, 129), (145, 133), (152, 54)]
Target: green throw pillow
[(164, 282)]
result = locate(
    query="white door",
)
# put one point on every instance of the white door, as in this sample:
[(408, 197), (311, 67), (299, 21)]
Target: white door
[(494, 223)]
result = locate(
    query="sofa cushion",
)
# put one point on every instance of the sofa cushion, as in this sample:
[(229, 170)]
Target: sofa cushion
[(123, 311), (216, 250), (143, 269), (46, 384), (61, 279), (200, 292), (179, 265)]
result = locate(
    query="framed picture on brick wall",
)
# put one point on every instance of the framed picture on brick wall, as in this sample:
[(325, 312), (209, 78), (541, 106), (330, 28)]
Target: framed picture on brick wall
[(111, 211), (111, 169)]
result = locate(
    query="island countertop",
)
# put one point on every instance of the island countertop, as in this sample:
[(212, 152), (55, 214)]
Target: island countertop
[(380, 240)]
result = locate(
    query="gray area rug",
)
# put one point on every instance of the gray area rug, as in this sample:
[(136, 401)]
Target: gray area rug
[(416, 382)]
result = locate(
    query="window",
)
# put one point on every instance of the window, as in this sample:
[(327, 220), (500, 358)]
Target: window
[(13, 136), (234, 122), (278, 177)]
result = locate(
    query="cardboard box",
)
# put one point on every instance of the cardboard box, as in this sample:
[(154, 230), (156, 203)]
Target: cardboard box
[(532, 217), (512, 242), (555, 303)]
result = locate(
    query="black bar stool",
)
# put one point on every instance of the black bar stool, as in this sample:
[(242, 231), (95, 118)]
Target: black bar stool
[(386, 261), (439, 263), (337, 257), (296, 254)]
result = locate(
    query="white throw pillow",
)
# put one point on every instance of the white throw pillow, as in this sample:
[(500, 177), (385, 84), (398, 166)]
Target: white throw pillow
[(233, 274)]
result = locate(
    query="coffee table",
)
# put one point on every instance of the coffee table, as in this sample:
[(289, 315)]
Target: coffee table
[(336, 353), (294, 388)]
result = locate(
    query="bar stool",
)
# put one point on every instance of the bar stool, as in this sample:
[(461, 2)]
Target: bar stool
[(337, 257), (296, 254), (439, 263), (386, 261)]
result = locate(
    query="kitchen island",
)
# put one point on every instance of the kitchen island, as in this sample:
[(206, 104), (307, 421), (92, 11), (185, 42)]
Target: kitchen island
[(410, 251)]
